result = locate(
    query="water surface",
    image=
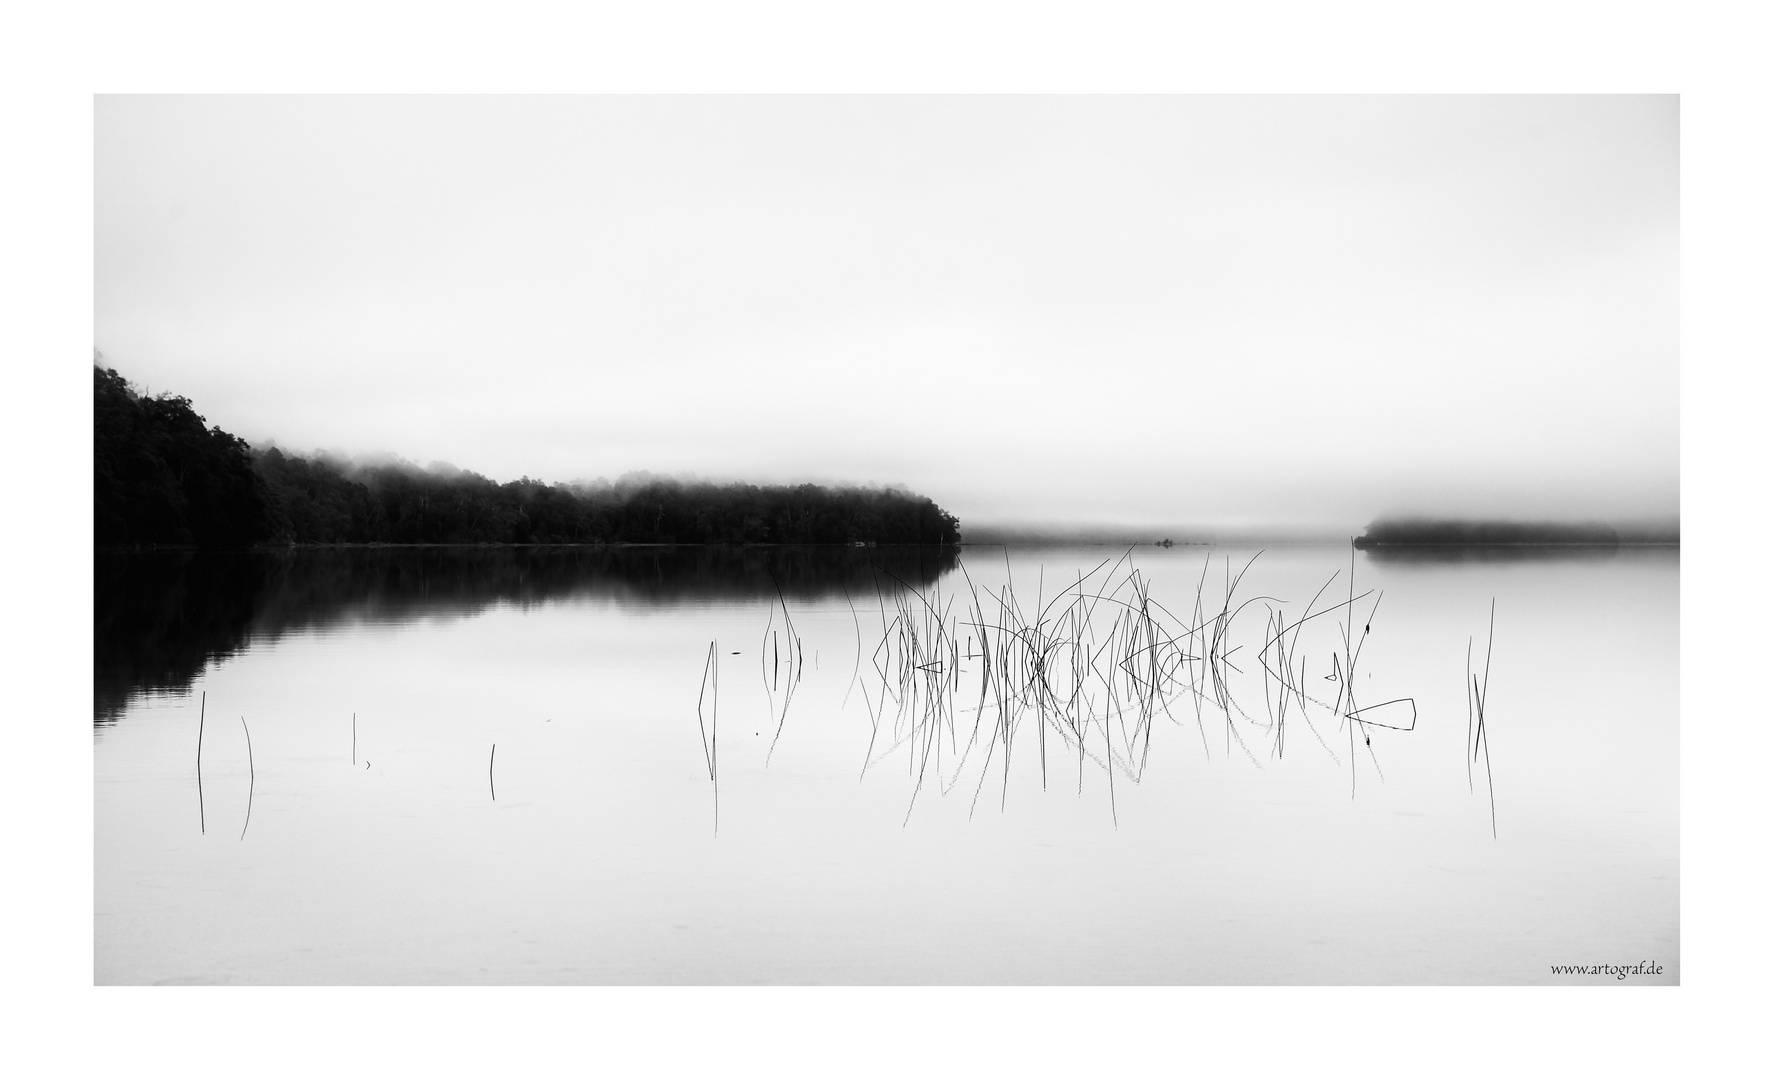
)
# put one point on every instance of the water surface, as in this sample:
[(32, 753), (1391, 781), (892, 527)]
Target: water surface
[(887, 811)]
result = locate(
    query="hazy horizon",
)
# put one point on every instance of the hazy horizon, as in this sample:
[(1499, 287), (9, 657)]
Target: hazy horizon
[(1282, 313), (985, 530)]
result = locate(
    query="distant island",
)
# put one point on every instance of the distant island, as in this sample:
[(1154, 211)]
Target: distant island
[(1442, 532), (162, 478)]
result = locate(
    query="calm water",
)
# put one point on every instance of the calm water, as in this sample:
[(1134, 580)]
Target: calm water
[(1122, 788)]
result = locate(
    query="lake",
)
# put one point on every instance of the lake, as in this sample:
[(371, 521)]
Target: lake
[(1033, 765)]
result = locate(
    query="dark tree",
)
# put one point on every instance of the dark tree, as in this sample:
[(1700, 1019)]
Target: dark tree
[(161, 477)]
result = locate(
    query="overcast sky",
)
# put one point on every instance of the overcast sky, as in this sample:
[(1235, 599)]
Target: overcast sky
[(1170, 310)]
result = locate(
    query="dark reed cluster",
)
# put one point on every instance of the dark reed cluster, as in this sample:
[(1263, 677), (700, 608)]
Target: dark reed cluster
[(961, 682)]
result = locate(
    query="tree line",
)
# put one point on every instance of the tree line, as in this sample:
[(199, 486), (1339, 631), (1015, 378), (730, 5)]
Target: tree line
[(162, 477), (1447, 532)]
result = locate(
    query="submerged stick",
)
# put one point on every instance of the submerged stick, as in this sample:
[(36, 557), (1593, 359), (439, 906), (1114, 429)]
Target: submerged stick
[(490, 790)]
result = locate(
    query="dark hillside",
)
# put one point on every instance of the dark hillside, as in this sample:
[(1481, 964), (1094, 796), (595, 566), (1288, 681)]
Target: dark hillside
[(162, 479)]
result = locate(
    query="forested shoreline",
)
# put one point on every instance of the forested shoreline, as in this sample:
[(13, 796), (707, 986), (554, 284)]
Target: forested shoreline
[(162, 478), (1432, 532)]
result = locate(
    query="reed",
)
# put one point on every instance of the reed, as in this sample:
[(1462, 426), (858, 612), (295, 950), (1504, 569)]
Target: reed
[(252, 777), (711, 669), (1478, 736), (202, 707), (856, 668), (1096, 666)]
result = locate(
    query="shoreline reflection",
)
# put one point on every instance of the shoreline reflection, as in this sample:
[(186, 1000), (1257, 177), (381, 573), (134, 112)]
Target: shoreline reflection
[(161, 617)]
